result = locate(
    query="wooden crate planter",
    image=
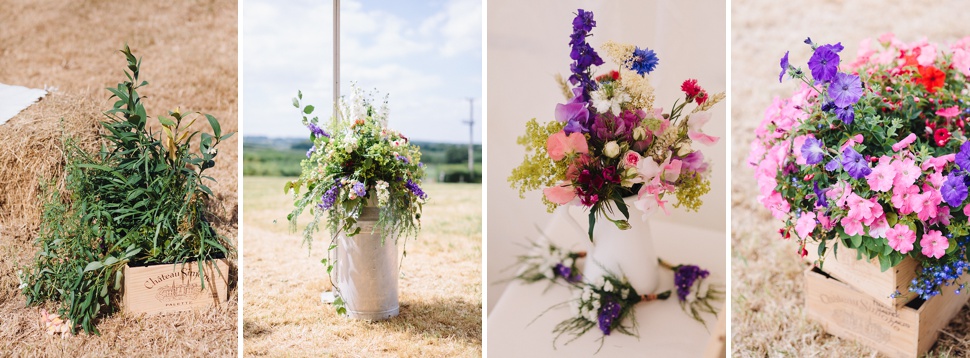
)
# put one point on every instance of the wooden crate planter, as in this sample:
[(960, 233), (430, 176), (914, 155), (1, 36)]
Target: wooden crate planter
[(175, 287), (908, 331), (867, 276)]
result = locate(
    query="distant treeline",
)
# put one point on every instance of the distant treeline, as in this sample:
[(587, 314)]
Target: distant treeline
[(281, 157)]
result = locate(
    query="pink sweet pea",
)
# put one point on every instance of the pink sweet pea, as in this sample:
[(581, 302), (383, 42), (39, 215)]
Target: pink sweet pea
[(694, 124), (901, 238), (672, 170), (558, 145), (805, 225), (881, 178), (934, 244), (562, 193)]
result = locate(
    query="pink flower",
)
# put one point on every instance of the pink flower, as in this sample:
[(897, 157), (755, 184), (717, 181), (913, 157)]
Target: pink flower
[(906, 172), (856, 139), (930, 200), (672, 170), (879, 227), (561, 193), (948, 112), (558, 145), (905, 142), (934, 244), (805, 225), (631, 159), (861, 209), (966, 211), (907, 199), (881, 178), (694, 124), (901, 238), (938, 163), (852, 226)]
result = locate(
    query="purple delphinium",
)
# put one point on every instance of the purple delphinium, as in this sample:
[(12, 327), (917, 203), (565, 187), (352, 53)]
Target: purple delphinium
[(812, 151), (643, 61), (824, 63), (330, 196), (963, 156), (954, 190), (845, 114), (845, 89), (784, 67), (359, 189), (608, 313), (582, 54), (855, 164), (317, 131), (310, 151), (820, 195), (684, 278), (415, 189)]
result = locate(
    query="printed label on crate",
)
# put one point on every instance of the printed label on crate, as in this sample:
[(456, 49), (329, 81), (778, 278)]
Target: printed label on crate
[(169, 288)]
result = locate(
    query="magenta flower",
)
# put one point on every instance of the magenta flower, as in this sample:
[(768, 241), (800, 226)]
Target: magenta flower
[(934, 244), (901, 238)]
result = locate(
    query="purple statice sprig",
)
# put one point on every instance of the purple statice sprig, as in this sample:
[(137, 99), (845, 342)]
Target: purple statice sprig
[(546, 261), (695, 293), (606, 305), (415, 189)]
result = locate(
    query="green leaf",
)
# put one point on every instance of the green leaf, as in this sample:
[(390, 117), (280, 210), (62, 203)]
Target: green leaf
[(94, 265), (296, 103), (214, 123), (884, 263), (299, 94), (166, 122), (118, 277), (592, 221), (110, 260), (308, 109)]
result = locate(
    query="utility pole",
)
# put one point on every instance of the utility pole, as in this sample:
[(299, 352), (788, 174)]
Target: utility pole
[(336, 59), (471, 136)]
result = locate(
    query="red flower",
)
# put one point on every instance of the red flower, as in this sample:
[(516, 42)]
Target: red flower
[(691, 89), (612, 76), (931, 78), (941, 136), (701, 97)]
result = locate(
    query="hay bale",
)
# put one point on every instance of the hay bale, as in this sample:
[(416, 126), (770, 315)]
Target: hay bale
[(32, 152)]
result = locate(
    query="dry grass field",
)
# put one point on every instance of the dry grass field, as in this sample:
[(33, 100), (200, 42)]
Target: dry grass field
[(189, 56), (440, 290), (768, 317)]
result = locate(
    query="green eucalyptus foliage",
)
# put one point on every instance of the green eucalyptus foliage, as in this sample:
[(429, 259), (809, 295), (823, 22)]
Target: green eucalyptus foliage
[(140, 198)]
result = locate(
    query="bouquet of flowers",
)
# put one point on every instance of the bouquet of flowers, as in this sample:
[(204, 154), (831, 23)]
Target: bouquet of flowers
[(609, 142), (355, 162), (873, 156)]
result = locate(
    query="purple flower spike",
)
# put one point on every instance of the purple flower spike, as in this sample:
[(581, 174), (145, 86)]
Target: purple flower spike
[(317, 131), (845, 90), (812, 151), (825, 62), (954, 190), (855, 164), (784, 67)]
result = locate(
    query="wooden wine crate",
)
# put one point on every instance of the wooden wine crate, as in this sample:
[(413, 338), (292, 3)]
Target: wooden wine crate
[(909, 331), (867, 276), (175, 287)]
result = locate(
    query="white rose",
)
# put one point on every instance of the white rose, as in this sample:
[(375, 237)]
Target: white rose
[(611, 149)]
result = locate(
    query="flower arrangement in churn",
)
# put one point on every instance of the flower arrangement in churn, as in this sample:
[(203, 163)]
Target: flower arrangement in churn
[(873, 156), (357, 161), (609, 142)]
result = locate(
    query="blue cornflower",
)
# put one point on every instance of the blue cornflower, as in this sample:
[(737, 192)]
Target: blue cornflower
[(855, 164), (644, 61), (784, 67), (845, 89), (812, 151), (824, 63), (954, 190)]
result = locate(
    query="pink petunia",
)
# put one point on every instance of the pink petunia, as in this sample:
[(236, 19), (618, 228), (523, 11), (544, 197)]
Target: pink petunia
[(853, 226), (882, 176), (879, 227), (906, 173), (948, 112), (905, 142), (966, 211), (559, 144), (805, 225), (934, 244), (901, 238), (904, 198)]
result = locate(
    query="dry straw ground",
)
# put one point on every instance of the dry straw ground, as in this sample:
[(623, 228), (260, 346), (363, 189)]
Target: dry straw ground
[(768, 318), (190, 57), (440, 291)]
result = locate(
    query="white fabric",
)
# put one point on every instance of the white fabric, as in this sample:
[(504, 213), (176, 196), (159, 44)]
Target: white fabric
[(665, 330), (528, 46), (14, 99)]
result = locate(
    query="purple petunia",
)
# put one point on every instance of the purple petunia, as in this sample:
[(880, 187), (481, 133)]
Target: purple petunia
[(784, 67), (415, 189), (824, 63), (954, 190), (963, 156), (833, 165), (643, 61), (812, 151), (845, 114), (845, 89), (684, 278), (855, 164), (820, 195), (608, 313)]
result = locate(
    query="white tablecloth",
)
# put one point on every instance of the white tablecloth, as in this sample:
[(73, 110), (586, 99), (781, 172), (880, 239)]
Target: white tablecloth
[(665, 330), (14, 99)]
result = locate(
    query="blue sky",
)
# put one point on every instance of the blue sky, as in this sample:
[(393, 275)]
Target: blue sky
[(426, 55)]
